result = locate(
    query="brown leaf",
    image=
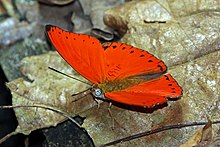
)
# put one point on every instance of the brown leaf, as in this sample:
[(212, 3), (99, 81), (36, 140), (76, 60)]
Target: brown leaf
[(207, 139), (199, 78), (47, 89), (201, 137), (215, 142), (95, 9), (200, 94), (53, 90), (81, 25), (194, 140), (199, 82), (180, 39), (207, 132)]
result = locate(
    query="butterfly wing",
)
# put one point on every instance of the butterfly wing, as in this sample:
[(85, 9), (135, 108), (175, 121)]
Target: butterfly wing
[(124, 61), (84, 53), (149, 93)]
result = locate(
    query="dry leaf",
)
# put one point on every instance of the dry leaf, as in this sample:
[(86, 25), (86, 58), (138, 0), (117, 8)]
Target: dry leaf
[(179, 40), (199, 77), (8, 6), (194, 140), (200, 137), (95, 9), (199, 82), (195, 104), (81, 25), (215, 142), (47, 89)]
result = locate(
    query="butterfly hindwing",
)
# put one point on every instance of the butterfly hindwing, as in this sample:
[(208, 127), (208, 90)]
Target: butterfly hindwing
[(149, 93), (84, 53), (123, 61)]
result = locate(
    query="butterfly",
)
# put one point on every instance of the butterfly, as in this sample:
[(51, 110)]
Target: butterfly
[(119, 72)]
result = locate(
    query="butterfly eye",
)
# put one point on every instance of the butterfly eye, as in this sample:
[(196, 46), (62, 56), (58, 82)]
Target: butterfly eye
[(98, 93)]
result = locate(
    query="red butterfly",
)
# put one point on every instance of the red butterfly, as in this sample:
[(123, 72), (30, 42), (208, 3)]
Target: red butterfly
[(118, 71)]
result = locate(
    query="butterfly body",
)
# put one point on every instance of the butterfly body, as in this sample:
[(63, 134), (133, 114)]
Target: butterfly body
[(119, 72), (119, 84)]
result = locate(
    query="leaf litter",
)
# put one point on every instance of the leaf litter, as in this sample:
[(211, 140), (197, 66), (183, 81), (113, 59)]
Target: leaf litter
[(199, 81)]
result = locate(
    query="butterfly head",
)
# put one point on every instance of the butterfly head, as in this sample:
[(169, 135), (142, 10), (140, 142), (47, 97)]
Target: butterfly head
[(97, 92)]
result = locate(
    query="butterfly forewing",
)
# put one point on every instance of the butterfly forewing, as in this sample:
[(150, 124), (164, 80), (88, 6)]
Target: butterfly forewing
[(124, 61), (84, 53)]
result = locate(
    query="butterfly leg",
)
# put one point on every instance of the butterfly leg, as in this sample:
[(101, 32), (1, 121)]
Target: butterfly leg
[(98, 102), (110, 113)]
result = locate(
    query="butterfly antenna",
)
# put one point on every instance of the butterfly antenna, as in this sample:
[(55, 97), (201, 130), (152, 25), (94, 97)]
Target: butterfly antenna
[(69, 76), (84, 92)]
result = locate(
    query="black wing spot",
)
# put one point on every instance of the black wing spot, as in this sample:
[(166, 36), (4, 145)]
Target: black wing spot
[(173, 92), (161, 68), (167, 78), (66, 37), (123, 48), (48, 27), (121, 44), (111, 74), (52, 30), (150, 60), (131, 47), (83, 40), (93, 42), (131, 52), (142, 55), (173, 88), (59, 32), (114, 46), (110, 44), (105, 47), (118, 66), (170, 84)]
